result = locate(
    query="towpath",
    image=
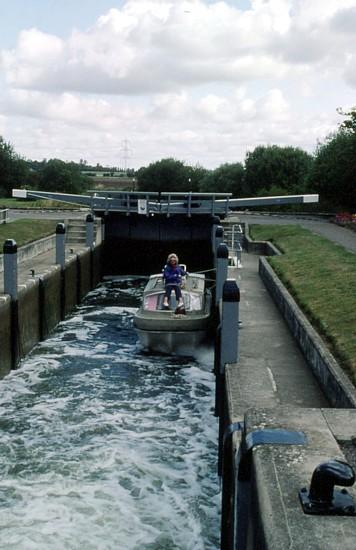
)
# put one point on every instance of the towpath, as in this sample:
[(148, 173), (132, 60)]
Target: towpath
[(271, 369)]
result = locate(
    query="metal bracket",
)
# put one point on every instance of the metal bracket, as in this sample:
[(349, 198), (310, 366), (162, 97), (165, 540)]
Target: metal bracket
[(232, 428), (268, 436)]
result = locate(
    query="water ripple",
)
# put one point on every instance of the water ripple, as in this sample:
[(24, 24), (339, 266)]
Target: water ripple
[(103, 446)]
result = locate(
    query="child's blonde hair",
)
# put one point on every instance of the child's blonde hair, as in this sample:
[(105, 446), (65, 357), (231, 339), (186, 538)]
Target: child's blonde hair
[(172, 257)]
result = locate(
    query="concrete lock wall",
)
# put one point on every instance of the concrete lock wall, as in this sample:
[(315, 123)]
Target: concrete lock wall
[(5, 331), (41, 304), (28, 316), (50, 300), (97, 264), (84, 273), (70, 284)]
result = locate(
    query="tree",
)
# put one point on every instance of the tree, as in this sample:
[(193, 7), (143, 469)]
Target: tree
[(349, 125), (166, 175), (195, 176), (13, 169), (227, 178), (334, 171), (62, 177), (286, 168)]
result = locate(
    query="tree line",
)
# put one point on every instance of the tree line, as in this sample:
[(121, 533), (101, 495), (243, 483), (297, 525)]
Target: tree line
[(267, 170)]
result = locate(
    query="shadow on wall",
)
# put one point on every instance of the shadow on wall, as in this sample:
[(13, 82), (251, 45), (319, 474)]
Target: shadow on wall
[(139, 245), (144, 257)]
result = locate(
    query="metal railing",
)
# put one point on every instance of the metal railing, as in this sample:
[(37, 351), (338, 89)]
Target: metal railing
[(161, 203), (233, 235), (148, 203), (145, 203)]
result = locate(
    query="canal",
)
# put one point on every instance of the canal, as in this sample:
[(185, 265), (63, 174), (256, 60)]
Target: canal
[(104, 446)]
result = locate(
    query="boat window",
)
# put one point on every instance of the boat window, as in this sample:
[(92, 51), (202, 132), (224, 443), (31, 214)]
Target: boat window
[(158, 282), (154, 283)]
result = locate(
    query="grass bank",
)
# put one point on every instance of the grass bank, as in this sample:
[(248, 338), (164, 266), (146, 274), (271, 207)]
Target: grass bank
[(321, 276), (26, 231), (41, 203)]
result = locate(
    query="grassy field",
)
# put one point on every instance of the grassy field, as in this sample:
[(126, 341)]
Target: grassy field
[(26, 231), (321, 276), (18, 203)]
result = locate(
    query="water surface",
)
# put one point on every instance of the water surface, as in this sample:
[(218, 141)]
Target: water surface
[(103, 446)]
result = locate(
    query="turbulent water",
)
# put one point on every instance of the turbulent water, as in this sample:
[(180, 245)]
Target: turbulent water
[(103, 446)]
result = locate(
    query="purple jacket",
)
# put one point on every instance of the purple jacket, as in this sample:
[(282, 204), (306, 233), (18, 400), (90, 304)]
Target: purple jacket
[(173, 275)]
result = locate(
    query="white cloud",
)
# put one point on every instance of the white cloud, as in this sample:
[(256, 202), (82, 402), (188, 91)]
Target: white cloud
[(192, 79), (156, 46)]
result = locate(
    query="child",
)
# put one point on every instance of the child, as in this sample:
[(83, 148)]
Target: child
[(172, 276)]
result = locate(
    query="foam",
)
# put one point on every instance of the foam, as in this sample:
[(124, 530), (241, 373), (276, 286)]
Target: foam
[(105, 447)]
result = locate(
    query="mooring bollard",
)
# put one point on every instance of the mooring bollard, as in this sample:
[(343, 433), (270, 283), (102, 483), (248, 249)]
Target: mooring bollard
[(323, 498), (229, 348), (222, 261), (10, 268), (60, 244), (89, 231)]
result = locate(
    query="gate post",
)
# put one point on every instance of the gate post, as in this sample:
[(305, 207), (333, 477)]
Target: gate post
[(229, 349), (10, 268), (60, 244), (216, 223), (10, 287), (219, 237), (222, 260)]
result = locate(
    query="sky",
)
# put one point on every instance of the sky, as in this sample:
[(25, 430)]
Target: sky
[(128, 82)]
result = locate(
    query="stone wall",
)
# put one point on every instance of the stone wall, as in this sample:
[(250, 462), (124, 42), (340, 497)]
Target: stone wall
[(5, 331), (42, 303)]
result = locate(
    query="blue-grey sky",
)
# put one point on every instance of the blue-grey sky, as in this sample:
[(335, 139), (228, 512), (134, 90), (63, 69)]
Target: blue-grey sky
[(201, 81)]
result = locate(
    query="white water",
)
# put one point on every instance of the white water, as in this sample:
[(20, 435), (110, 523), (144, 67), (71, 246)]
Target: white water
[(105, 447)]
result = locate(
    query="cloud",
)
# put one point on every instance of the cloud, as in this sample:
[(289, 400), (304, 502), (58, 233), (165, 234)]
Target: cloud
[(344, 21), (197, 80), (154, 46)]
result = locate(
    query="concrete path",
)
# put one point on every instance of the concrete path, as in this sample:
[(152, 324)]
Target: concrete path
[(47, 214), (271, 370)]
